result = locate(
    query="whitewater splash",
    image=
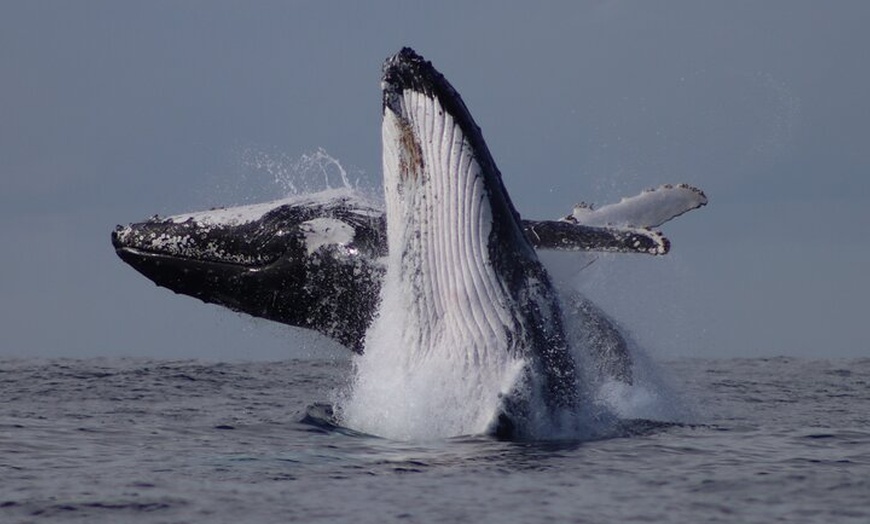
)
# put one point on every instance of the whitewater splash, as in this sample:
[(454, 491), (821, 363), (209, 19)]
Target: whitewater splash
[(273, 174), (404, 394), (397, 394)]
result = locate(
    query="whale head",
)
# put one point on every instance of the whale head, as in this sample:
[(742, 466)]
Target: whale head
[(310, 262)]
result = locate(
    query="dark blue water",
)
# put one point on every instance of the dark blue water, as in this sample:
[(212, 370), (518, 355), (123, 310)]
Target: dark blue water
[(778, 440)]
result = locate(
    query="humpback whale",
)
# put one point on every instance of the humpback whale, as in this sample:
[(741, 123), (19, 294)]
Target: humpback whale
[(447, 250), (467, 307)]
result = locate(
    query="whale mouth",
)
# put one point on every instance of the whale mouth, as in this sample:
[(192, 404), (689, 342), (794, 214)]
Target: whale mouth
[(132, 255), (159, 267), (231, 281)]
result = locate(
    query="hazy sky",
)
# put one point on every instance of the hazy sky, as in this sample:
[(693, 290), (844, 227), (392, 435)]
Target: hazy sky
[(113, 111)]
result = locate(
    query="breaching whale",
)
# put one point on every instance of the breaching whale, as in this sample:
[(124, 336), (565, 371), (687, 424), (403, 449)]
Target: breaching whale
[(467, 307), (319, 261)]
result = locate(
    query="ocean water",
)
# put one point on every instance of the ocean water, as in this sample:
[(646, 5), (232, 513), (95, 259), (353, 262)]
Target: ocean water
[(776, 440)]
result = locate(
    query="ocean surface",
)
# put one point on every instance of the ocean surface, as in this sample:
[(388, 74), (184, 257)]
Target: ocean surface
[(118, 440)]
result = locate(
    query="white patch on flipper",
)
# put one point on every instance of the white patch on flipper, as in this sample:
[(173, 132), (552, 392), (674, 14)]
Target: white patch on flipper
[(319, 232), (651, 208)]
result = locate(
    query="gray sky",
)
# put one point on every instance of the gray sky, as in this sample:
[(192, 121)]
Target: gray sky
[(113, 111)]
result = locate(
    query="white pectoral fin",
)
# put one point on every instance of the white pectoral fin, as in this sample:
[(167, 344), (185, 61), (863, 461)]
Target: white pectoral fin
[(651, 208)]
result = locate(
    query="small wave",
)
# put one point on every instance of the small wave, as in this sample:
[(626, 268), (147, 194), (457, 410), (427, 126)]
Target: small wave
[(321, 417)]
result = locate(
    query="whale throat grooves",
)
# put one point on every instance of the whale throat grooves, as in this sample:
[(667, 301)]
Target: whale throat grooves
[(469, 334)]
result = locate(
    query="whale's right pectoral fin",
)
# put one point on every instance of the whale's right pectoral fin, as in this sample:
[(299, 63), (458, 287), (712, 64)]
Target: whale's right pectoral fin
[(651, 208), (623, 227), (562, 235)]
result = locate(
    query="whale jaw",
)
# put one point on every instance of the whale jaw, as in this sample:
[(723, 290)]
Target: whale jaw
[(468, 313)]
